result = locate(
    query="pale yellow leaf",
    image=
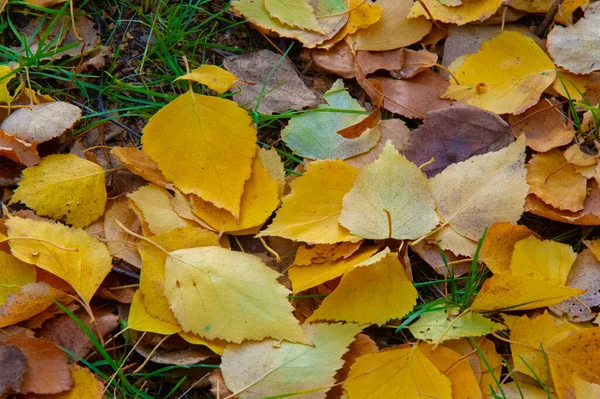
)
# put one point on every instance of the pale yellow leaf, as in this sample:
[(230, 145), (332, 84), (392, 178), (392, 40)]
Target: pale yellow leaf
[(270, 369), (390, 198), (139, 163), (546, 259), (216, 78), (482, 190), (270, 160), (507, 75), (218, 293), (76, 257), (64, 187), (205, 145), (311, 212), (468, 11), (15, 274), (373, 292)]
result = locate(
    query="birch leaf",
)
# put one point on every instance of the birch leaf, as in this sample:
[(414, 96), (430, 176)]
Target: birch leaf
[(295, 13), (215, 78)]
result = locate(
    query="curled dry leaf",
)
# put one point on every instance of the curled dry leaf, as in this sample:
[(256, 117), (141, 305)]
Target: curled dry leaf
[(413, 98), (414, 63), (454, 134), (279, 89), (42, 122), (577, 48), (18, 150)]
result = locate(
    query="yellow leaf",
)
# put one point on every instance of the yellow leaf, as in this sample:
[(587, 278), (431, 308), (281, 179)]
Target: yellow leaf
[(215, 345), (507, 75), (76, 257), (570, 85), (139, 319), (482, 190), (401, 373), (15, 274), (29, 301), (137, 162), (155, 205), (311, 212), (555, 181), (271, 161), (305, 277), (268, 369), (259, 200), (215, 78), (584, 389), (373, 292), (152, 278), (468, 11), (440, 325), (392, 30), (64, 187), (520, 292), (323, 253), (85, 386), (456, 368), (295, 13), (390, 198), (499, 244), (218, 293), (529, 335), (5, 96), (205, 145), (546, 259), (362, 15)]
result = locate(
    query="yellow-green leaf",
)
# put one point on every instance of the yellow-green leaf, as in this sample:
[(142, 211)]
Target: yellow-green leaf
[(64, 187), (295, 13)]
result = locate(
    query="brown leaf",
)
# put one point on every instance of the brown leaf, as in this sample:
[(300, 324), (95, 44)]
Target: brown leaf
[(63, 330), (13, 365), (140, 164), (584, 274), (413, 98), (414, 63), (31, 300), (121, 244), (543, 125), (394, 130), (373, 88), (218, 388), (10, 172), (39, 319), (455, 134), (17, 150), (47, 368), (588, 216), (284, 89)]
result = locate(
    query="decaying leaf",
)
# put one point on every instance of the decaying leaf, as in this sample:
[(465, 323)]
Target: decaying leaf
[(454, 134), (390, 198), (64, 186), (272, 369), (42, 122), (13, 365)]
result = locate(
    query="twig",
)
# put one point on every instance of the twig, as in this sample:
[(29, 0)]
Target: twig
[(548, 18)]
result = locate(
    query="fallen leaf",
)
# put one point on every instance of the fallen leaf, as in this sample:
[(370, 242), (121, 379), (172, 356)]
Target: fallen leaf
[(546, 259), (555, 181), (456, 369), (334, 10), (413, 98), (449, 240), (482, 190), (155, 205), (499, 244), (13, 365), (314, 135), (323, 253), (575, 47), (141, 320), (212, 76), (266, 369), (430, 253), (441, 325), (174, 351), (373, 292), (310, 213), (305, 277), (393, 30), (414, 63), (361, 15), (519, 390), (45, 3), (571, 86), (393, 130), (85, 386), (297, 14), (66, 333), (18, 150), (390, 198), (278, 90), (270, 160), (190, 135), (42, 122), (213, 290), (64, 186), (15, 275), (30, 300), (215, 345), (71, 254), (455, 134), (403, 372), (47, 369), (5, 70), (584, 389), (259, 200), (520, 292), (543, 125), (121, 244), (140, 164), (507, 75), (585, 274), (468, 11)]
